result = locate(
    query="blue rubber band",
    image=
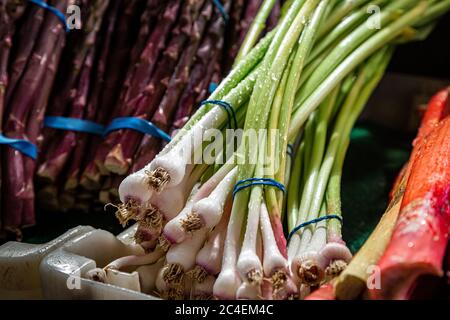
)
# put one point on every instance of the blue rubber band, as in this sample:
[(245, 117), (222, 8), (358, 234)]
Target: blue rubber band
[(212, 87), (247, 183), (314, 221), (137, 124), (86, 126), (61, 16), (222, 10), (27, 148), (74, 124), (228, 109)]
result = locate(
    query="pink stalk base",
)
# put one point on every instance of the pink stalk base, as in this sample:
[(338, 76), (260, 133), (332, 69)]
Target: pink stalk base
[(277, 227)]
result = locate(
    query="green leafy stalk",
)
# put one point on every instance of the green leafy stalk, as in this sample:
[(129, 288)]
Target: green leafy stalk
[(350, 43), (339, 13), (376, 68), (234, 78), (318, 143), (342, 29), (370, 46), (257, 26), (305, 44), (294, 189), (273, 67)]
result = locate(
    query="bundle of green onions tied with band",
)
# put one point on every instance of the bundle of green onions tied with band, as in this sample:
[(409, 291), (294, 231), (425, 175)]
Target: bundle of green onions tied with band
[(264, 221)]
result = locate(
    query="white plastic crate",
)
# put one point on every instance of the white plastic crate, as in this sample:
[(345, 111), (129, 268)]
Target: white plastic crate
[(57, 270)]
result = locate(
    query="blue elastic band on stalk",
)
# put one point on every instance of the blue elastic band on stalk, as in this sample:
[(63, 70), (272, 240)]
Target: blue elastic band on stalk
[(314, 221), (290, 150), (74, 124), (227, 107), (247, 183), (86, 126), (137, 124), (27, 148), (222, 10), (212, 87), (61, 16)]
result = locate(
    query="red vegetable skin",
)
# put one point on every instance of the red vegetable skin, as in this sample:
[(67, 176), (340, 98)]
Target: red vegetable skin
[(438, 108), (325, 292), (420, 237)]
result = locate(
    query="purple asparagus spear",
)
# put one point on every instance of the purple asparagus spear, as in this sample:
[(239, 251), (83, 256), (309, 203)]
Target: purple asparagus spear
[(34, 129), (86, 142), (233, 32), (164, 114), (62, 144), (26, 95), (128, 103)]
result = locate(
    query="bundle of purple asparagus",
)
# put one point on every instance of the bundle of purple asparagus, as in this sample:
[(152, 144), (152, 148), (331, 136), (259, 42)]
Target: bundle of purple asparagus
[(35, 51), (147, 59)]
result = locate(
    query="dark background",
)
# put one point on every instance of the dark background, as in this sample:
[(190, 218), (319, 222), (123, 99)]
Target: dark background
[(426, 58)]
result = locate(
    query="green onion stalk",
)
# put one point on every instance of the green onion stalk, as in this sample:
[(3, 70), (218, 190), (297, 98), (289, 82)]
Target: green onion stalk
[(280, 119), (313, 255), (334, 235), (248, 265), (258, 25)]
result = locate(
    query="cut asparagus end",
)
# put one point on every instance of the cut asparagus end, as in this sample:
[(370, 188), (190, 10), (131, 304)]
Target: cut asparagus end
[(115, 161)]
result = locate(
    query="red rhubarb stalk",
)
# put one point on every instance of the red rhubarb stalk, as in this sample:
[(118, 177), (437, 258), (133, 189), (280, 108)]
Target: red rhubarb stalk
[(420, 236), (438, 108)]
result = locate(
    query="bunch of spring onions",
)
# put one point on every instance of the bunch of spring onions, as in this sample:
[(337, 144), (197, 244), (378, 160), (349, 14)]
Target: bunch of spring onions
[(217, 230)]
